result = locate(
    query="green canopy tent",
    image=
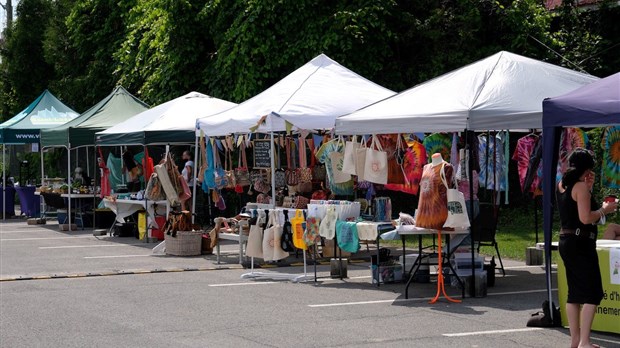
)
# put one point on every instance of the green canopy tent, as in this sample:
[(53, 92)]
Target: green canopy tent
[(24, 128), (117, 107)]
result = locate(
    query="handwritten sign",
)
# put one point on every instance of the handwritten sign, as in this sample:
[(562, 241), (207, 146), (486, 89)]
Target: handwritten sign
[(262, 154)]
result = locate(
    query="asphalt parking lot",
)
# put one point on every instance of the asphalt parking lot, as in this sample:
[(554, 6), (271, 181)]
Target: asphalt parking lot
[(72, 289)]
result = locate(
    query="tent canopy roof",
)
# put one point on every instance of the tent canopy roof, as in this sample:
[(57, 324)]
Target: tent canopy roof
[(114, 108), (44, 112), (311, 97), (503, 91), (171, 122), (592, 105)]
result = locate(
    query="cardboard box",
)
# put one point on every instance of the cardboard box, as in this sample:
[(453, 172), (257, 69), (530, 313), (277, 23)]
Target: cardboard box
[(328, 250), (387, 274)]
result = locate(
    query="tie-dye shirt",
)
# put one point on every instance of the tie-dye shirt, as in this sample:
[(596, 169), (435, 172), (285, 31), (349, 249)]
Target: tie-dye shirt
[(523, 153), (610, 170), (438, 143), (433, 205), (486, 175)]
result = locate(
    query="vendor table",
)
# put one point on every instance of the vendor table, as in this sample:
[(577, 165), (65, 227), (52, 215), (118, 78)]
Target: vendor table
[(418, 231), (9, 210), (123, 208), (607, 317), (78, 198), (30, 203)]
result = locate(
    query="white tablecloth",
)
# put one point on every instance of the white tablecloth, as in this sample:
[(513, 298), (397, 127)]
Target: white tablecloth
[(126, 207)]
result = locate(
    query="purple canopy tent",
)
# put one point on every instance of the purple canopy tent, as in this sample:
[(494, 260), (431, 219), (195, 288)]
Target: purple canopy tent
[(593, 105)]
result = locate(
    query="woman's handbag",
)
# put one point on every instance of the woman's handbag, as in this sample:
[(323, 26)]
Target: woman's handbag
[(154, 191), (231, 180), (242, 174), (375, 167), (185, 193), (219, 173), (298, 227), (457, 213), (301, 202), (303, 172), (255, 239), (292, 178), (350, 151), (287, 234)]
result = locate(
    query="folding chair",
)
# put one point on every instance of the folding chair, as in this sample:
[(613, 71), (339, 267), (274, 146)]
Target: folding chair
[(485, 228), (53, 202)]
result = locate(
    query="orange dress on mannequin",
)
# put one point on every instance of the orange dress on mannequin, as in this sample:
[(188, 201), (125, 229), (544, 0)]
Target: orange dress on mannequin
[(433, 205)]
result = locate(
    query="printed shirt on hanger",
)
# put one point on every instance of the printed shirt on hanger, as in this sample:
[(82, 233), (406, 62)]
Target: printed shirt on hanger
[(342, 189), (610, 170), (523, 153), (438, 143), (499, 166), (570, 139)]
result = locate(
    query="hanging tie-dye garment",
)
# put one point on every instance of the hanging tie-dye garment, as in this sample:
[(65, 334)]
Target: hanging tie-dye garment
[(523, 153), (413, 164), (610, 169), (433, 205), (438, 143), (488, 179), (570, 139)]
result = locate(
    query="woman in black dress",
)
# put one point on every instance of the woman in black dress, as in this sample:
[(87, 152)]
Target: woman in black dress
[(579, 214)]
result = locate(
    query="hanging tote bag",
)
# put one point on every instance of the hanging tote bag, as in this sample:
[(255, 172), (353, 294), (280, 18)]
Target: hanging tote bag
[(350, 154), (219, 173), (287, 234), (360, 160), (255, 239), (336, 160), (457, 214), (311, 234), (346, 233), (231, 181), (375, 167), (327, 227), (242, 173), (278, 252), (303, 172), (298, 226), (292, 179), (268, 237)]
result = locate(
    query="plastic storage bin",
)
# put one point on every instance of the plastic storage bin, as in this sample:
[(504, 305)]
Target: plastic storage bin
[(387, 274)]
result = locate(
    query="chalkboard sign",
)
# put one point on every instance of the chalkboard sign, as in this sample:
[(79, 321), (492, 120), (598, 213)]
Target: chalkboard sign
[(262, 153)]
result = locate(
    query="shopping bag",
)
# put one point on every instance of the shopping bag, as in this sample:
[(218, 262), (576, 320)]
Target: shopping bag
[(327, 227), (346, 233), (457, 214), (311, 234), (336, 159), (255, 239), (350, 154), (375, 167), (360, 161), (298, 226)]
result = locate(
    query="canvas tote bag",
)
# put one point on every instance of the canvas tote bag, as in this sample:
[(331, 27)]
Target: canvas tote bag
[(336, 161), (375, 167), (350, 154), (457, 214), (255, 239)]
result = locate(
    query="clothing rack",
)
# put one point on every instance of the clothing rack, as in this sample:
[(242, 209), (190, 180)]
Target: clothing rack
[(296, 278)]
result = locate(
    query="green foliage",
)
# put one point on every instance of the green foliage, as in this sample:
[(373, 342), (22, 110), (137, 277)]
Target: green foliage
[(25, 73), (163, 53)]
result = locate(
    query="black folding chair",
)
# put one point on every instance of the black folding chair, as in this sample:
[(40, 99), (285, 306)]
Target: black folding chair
[(53, 202), (485, 228)]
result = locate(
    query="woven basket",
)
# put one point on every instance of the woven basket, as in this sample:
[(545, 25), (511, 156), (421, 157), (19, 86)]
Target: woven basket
[(186, 243)]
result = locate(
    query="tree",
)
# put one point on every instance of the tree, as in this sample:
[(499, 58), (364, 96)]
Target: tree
[(24, 71), (164, 52)]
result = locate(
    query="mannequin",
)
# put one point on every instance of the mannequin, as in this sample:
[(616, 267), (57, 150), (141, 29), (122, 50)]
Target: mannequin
[(433, 205)]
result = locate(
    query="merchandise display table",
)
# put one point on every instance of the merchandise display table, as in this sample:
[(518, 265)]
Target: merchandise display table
[(29, 201), (418, 231), (9, 194), (607, 314), (123, 208), (79, 199)]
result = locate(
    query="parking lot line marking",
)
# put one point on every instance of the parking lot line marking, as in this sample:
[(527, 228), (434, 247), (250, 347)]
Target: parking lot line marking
[(604, 340), (491, 332), (43, 238), (114, 256), (241, 284), (23, 231), (85, 246)]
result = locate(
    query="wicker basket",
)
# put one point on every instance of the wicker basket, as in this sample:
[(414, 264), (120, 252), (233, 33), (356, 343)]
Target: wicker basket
[(186, 243)]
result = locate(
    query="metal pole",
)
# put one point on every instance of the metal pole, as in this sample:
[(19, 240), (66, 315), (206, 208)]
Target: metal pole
[(195, 173), (3, 181), (42, 201), (69, 184), (273, 174)]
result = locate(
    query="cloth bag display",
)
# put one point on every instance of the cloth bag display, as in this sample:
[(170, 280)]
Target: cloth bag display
[(327, 227), (336, 160), (360, 160), (350, 155), (375, 167), (255, 239), (272, 251), (298, 225), (457, 214), (311, 234), (242, 173), (303, 172), (286, 242), (366, 231), (346, 234)]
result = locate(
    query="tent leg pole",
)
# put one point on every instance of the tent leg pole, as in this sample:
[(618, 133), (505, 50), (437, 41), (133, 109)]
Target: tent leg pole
[(69, 185), (3, 181), (273, 174), (194, 174), (42, 201)]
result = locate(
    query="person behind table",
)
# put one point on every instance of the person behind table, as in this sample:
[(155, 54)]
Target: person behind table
[(188, 168), (579, 214)]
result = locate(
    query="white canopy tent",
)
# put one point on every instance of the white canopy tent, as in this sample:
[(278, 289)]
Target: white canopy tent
[(503, 91), (311, 97), (171, 122)]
